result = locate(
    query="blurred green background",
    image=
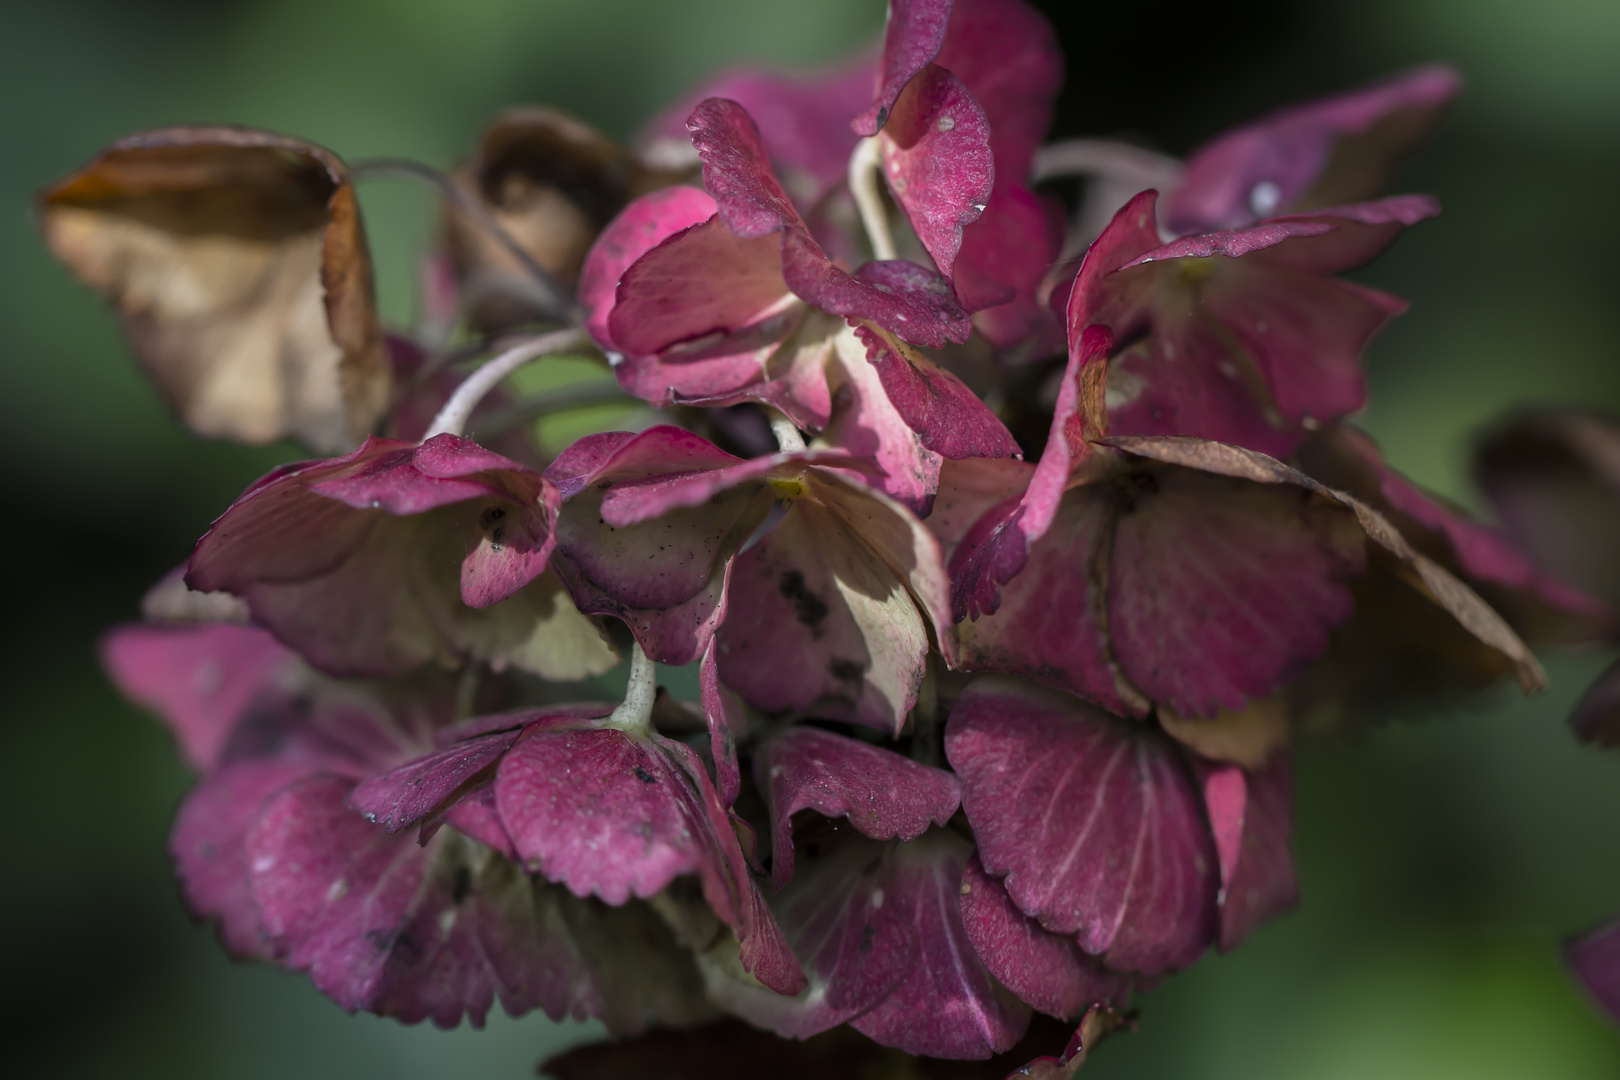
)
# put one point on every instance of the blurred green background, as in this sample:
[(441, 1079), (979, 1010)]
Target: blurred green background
[(1440, 863)]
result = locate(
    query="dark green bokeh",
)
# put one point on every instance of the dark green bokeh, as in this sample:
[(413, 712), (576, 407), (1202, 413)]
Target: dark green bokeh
[(1440, 863)]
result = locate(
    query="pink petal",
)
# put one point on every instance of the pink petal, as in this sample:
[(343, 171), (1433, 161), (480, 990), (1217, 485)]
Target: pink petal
[(804, 120), (669, 635), (718, 709), (915, 32), (1327, 241), (1093, 820), (842, 916), (1251, 815), (1007, 55), (918, 307), (937, 159), (317, 551), (866, 423), (1219, 588), (641, 226), (882, 794), (416, 789), (948, 1005), (703, 288), (198, 678), (947, 416), (1595, 960), (1272, 164), (1009, 249), (818, 621), (1597, 715), (967, 490), (1047, 971), (1045, 626), (383, 924), (207, 845)]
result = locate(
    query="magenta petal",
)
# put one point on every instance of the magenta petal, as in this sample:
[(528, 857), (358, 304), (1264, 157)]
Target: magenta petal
[(1007, 55), (416, 789), (1220, 588), (866, 423), (717, 710), (947, 416), (1595, 960), (915, 32), (948, 1005), (937, 159), (641, 226), (1251, 815), (1005, 256), (207, 844), (804, 121), (599, 811), (1046, 624), (1327, 241), (200, 678), (917, 305), (1270, 165), (675, 635), (1047, 971), (1597, 716), (1094, 821), (882, 794), (478, 817), (703, 287), (317, 551)]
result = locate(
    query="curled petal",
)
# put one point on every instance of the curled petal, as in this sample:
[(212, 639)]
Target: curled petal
[(640, 227), (881, 793), (915, 32), (238, 264)]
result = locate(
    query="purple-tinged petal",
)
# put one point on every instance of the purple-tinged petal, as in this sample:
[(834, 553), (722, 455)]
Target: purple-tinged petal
[(913, 37), (416, 789), (948, 1005), (599, 811), (644, 224), (627, 455), (1094, 822), (1047, 971), (1337, 149), (318, 552), (1219, 588), (719, 706), (1251, 816), (1553, 477), (818, 622), (478, 817), (866, 423), (437, 931), (938, 162), (207, 845), (1328, 240), (673, 635), (967, 490), (1007, 55), (804, 121), (855, 937), (199, 678), (1099, 1022), (917, 306), (947, 416), (832, 610), (1009, 249), (882, 794), (1597, 716), (1537, 604), (1595, 960), (703, 288)]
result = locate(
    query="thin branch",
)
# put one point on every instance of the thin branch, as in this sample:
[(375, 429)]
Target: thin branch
[(452, 418), (1101, 157), (865, 182), (571, 397), (553, 296), (635, 712)]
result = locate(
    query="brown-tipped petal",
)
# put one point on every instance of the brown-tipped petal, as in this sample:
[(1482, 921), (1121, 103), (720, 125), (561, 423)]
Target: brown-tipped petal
[(238, 265), (551, 183)]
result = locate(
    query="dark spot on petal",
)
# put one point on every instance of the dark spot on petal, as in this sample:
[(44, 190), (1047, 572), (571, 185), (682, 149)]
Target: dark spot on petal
[(644, 776), (808, 608), (846, 670), (491, 517)]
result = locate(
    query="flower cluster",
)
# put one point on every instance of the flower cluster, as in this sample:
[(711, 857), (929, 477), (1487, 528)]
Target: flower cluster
[(1012, 541)]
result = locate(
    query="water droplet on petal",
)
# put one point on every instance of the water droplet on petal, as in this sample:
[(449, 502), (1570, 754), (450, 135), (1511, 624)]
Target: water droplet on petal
[(1264, 197)]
